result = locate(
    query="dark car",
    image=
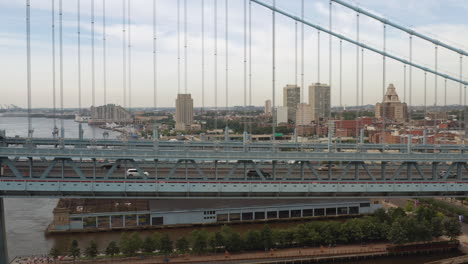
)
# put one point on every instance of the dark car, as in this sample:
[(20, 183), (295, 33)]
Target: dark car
[(254, 174), (108, 166)]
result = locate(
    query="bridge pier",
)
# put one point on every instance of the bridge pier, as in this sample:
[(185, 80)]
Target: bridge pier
[(3, 239)]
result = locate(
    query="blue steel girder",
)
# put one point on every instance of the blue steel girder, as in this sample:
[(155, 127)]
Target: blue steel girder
[(11, 166)]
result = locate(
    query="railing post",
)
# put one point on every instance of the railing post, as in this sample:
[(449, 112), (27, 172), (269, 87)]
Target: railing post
[(3, 238)]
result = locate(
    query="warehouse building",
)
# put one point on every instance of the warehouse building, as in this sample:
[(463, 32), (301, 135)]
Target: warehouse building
[(143, 213)]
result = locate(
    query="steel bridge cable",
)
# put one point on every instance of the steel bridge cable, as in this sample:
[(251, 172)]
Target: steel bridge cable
[(124, 54), (93, 76), (104, 52), (62, 127), (273, 17), (318, 56), (425, 98), (185, 46), (155, 66), (129, 56), (460, 88), (410, 109), (302, 56), (79, 54), (250, 61), (357, 74), (295, 53), (203, 52), (227, 56), (53, 70), (330, 69), (215, 39), (384, 72), (178, 46), (404, 83), (341, 75), (245, 64), (28, 64), (360, 44), (445, 93)]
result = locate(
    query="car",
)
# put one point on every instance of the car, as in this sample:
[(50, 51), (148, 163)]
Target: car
[(108, 166), (254, 174), (327, 167), (442, 174), (135, 173)]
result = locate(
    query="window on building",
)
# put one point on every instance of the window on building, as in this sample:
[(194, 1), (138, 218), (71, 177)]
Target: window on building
[(157, 221), (319, 212), (247, 216), (307, 212), (342, 210), (331, 211), (130, 220), (143, 220), (272, 214), (295, 213), (364, 204), (284, 214), (103, 222), (117, 221), (89, 222), (234, 217), (259, 215), (222, 218), (353, 210)]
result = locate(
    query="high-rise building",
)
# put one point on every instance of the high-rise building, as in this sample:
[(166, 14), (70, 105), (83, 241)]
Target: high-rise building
[(319, 100), (110, 113), (184, 112), (304, 115), (281, 115), (291, 98), (391, 109), (268, 107)]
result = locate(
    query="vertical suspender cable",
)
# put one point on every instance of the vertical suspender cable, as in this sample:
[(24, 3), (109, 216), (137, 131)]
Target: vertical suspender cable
[(93, 76), (295, 52), (178, 46), (79, 54), (53, 69), (124, 54), (384, 72), (330, 69), (425, 98), (185, 46), (410, 95), (357, 75), (460, 92), (435, 75), (302, 54), (250, 62), (404, 83), (245, 64), (203, 52), (28, 64), (227, 55), (318, 56), (155, 66), (273, 71), (362, 77), (129, 57), (104, 51), (61, 69), (215, 22), (445, 93), (341, 75)]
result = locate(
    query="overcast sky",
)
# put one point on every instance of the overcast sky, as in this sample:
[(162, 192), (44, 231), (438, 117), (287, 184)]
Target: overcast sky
[(444, 20)]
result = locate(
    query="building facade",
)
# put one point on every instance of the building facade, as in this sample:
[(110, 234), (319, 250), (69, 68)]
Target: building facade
[(282, 115), (109, 114), (291, 98), (268, 107), (304, 115), (391, 109), (184, 112), (319, 100)]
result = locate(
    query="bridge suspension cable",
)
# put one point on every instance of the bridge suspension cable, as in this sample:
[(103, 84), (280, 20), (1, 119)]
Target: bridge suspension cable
[(356, 43), (203, 52), (124, 54), (53, 70), (318, 56), (215, 39), (250, 62), (62, 127), (28, 64), (155, 65), (273, 72), (245, 65), (226, 16), (129, 25), (178, 46), (302, 55), (79, 54), (93, 72), (330, 58), (185, 47), (104, 51), (357, 73)]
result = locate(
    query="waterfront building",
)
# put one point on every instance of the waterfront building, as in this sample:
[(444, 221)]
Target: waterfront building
[(268, 107), (282, 115), (184, 112), (319, 101), (86, 214), (304, 115), (110, 113), (391, 109), (291, 98)]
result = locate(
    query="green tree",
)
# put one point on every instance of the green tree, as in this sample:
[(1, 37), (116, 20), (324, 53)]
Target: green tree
[(452, 228), (129, 245), (395, 213), (75, 251), (199, 241), (398, 233), (166, 245), (182, 245), (54, 253), (267, 237), (409, 207), (253, 240), (92, 250), (234, 243), (381, 215), (216, 241), (112, 249), (149, 245), (437, 226)]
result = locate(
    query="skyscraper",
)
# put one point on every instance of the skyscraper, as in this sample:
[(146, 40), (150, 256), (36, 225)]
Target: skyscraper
[(304, 115), (268, 107), (291, 98), (281, 115), (184, 112), (319, 100), (391, 109)]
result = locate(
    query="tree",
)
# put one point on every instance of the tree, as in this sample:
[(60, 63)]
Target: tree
[(156, 237), (215, 241), (409, 207), (91, 251), (199, 241), (395, 213), (112, 249), (54, 253), (437, 226), (253, 240), (398, 233), (267, 237), (166, 245), (452, 228), (182, 245), (75, 250), (130, 244), (381, 215), (148, 245)]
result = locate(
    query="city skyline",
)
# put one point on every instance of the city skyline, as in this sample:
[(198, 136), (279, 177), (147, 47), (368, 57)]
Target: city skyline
[(433, 18)]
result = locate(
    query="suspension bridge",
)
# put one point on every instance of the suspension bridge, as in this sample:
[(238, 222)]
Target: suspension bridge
[(77, 167)]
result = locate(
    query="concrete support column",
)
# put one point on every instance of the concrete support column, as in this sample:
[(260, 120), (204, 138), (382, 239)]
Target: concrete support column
[(3, 239)]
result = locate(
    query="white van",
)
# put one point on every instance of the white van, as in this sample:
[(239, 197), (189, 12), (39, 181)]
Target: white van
[(135, 173)]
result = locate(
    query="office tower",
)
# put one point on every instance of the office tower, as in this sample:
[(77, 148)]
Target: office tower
[(184, 112), (291, 98), (281, 115), (391, 109), (268, 107), (304, 115), (319, 100)]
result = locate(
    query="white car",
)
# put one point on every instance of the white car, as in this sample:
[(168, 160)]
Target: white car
[(135, 173)]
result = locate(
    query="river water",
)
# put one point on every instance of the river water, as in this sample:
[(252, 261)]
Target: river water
[(26, 219)]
